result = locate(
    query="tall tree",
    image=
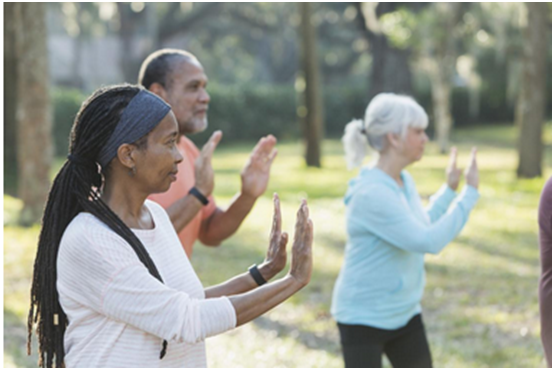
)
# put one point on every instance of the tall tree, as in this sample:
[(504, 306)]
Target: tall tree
[(10, 98), (434, 34), (135, 20), (440, 55), (390, 70), (530, 107), (313, 120), (129, 21), (34, 122)]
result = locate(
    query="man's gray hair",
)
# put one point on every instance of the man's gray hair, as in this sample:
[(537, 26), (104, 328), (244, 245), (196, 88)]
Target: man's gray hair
[(160, 65)]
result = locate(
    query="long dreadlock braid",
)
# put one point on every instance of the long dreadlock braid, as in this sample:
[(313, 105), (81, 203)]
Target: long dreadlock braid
[(76, 189)]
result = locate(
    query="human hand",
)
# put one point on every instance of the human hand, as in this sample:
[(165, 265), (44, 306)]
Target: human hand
[(452, 171), (472, 172), (255, 174), (276, 258), (203, 171), (301, 265)]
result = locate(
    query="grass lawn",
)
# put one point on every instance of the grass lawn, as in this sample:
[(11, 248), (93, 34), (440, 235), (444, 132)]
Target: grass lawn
[(480, 304)]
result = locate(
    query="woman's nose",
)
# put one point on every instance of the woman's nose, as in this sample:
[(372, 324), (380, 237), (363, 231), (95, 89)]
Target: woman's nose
[(178, 157)]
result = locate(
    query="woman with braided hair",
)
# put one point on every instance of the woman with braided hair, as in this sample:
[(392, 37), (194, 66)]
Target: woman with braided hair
[(112, 286)]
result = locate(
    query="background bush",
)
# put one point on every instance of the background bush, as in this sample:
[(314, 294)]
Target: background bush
[(247, 112)]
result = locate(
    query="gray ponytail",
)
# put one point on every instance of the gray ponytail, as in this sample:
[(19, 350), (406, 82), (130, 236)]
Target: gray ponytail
[(355, 143), (386, 113)]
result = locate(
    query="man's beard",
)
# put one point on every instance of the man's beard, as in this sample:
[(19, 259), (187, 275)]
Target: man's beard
[(194, 126)]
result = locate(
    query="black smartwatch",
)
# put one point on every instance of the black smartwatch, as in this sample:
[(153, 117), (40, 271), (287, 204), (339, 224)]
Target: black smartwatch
[(256, 275), (198, 195)]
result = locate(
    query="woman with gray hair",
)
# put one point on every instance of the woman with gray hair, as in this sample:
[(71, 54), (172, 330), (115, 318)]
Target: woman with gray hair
[(376, 299)]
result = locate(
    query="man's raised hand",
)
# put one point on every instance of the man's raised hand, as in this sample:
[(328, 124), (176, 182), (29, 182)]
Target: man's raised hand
[(203, 170), (255, 174)]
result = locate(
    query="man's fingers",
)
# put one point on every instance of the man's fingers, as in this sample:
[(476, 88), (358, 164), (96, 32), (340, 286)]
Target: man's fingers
[(209, 149), (272, 155), (212, 142), (264, 147), (258, 147), (269, 144), (216, 137)]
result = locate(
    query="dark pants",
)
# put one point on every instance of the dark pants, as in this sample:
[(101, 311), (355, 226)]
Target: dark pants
[(363, 346)]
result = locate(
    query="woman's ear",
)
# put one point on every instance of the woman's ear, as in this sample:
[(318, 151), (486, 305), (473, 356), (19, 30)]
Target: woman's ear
[(126, 155), (394, 140)]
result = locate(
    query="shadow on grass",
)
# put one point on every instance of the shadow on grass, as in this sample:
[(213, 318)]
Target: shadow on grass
[(526, 252), (304, 337)]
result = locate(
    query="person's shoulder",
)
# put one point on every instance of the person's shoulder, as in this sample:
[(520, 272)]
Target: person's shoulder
[(82, 231), (372, 186), (84, 224), (158, 212), (375, 179)]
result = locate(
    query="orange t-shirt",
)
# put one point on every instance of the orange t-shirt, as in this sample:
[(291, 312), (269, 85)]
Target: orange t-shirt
[(180, 188)]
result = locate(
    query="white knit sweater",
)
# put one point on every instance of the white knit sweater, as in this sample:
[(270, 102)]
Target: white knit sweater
[(119, 313)]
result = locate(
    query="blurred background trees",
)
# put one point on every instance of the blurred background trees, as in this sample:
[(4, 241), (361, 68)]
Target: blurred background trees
[(28, 110), (530, 108), (466, 63)]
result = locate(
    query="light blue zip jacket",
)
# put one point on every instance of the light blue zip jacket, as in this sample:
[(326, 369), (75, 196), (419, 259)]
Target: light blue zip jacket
[(383, 276)]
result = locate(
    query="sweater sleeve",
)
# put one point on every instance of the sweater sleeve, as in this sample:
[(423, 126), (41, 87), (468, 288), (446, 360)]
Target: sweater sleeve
[(439, 202), (137, 298), (112, 281), (382, 212)]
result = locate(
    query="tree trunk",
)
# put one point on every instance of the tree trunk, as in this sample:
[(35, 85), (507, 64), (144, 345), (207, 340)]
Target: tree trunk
[(34, 122), (313, 126), (440, 91), (10, 99), (390, 69), (128, 24), (442, 54), (530, 108)]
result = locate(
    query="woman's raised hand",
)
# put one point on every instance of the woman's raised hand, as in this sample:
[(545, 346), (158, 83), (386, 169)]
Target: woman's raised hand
[(256, 302), (301, 265), (452, 171), (276, 258), (472, 172)]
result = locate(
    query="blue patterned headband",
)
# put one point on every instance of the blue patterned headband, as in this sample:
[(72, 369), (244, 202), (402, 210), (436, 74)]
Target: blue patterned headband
[(143, 113)]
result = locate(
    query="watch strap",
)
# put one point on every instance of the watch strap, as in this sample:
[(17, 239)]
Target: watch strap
[(256, 275), (198, 195)]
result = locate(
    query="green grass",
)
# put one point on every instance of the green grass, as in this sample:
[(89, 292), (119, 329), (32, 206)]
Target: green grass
[(480, 304)]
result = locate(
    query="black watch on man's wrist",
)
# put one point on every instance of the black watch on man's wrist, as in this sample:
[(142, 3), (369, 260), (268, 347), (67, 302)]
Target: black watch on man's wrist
[(256, 275), (198, 195)]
